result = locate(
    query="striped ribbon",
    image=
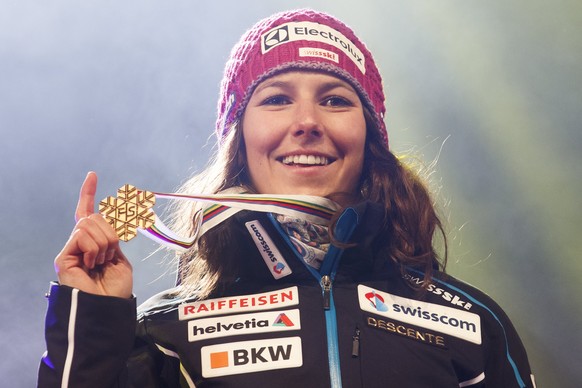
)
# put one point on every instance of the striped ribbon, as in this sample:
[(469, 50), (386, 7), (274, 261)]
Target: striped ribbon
[(222, 206)]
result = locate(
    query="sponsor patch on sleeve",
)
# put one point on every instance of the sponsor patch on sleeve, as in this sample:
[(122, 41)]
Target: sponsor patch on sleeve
[(442, 319)]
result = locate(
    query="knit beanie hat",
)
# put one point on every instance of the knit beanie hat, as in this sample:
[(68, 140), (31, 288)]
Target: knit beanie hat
[(301, 39)]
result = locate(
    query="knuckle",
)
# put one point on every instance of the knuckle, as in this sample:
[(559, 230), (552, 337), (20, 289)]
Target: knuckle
[(84, 223), (95, 216)]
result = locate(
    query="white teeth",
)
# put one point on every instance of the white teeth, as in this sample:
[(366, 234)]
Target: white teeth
[(306, 160)]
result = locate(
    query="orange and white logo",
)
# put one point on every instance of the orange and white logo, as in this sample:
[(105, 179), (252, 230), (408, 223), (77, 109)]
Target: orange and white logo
[(251, 356)]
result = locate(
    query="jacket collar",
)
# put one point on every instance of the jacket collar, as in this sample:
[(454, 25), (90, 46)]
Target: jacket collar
[(358, 226)]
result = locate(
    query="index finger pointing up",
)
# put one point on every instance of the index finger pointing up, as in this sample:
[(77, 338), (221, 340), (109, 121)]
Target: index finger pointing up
[(86, 204)]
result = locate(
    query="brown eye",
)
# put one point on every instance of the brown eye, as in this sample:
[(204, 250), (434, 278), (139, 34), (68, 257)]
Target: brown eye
[(337, 101), (276, 100)]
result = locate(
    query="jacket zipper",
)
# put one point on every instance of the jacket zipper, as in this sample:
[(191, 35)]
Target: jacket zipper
[(349, 218), (356, 343), (345, 226), (331, 331), (326, 288)]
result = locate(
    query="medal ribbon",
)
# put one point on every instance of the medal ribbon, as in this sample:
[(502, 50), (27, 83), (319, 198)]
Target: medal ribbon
[(132, 210)]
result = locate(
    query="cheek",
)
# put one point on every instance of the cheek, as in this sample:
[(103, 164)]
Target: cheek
[(257, 148), (358, 159), (353, 138), (354, 141), (258, 138)]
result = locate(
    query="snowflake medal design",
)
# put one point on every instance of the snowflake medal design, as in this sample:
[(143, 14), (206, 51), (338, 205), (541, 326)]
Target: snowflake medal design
[(131, 209)]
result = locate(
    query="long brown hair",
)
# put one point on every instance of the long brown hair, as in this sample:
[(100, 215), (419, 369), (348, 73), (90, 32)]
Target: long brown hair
[(410, 222)]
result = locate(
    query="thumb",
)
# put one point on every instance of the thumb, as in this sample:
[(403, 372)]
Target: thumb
[(86, 204)]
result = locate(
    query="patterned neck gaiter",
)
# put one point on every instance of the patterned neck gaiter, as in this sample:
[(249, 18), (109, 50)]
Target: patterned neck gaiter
[(310, 240)]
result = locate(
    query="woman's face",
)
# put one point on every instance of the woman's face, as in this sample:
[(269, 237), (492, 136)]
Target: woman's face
[(304, 133)]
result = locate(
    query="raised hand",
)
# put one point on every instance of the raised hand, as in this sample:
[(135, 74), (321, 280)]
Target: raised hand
[(92, 260)]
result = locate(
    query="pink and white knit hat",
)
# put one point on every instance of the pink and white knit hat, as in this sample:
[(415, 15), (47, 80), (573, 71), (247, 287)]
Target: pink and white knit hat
[(299, 39)]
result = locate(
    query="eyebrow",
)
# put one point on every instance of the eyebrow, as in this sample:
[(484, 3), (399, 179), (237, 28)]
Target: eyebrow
[(272, 84), (325, 87)]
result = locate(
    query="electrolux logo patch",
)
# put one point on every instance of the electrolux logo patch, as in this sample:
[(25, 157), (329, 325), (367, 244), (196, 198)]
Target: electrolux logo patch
[(271, 255), (202, 329), (314, 32), (458, 323), (275, 37), (251, 356)]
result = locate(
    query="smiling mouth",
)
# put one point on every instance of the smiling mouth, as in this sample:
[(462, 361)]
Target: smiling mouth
[(306, 160)]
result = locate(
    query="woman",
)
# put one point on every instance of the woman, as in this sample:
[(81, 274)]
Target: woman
[(269, 299)]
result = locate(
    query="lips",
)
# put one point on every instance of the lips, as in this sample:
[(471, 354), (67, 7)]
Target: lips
[(307, 160)]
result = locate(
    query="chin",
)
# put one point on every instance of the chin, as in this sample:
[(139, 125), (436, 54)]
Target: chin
[(316, 191), (341, 196)]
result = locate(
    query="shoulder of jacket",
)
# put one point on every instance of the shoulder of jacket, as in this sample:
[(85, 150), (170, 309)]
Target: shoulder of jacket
[(162, 302), (472, 294)]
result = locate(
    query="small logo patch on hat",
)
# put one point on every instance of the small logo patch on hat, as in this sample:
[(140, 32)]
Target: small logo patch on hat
[(315, 32), (274, 38), (318, 53)]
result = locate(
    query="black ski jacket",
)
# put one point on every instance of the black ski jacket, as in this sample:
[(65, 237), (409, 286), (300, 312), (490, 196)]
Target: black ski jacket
[(357, 322)]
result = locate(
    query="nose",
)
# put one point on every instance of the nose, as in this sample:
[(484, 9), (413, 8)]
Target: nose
[(307, 122)]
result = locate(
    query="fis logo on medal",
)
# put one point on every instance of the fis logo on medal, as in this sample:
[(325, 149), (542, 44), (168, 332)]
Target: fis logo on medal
[(129, 211)]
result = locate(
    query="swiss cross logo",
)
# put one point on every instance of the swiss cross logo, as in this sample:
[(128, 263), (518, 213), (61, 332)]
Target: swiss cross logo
[(251, 356)]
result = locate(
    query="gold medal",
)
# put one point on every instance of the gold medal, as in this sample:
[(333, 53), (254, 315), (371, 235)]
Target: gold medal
[(131, 209)]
